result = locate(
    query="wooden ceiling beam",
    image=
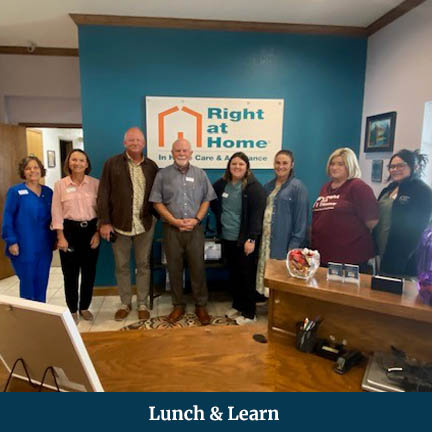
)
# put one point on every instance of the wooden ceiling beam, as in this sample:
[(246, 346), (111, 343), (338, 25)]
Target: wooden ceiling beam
[(392, 15), (40, 51)]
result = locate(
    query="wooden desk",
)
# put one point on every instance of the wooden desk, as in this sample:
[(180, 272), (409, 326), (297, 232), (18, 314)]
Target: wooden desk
[(369, 320), (212, 358)]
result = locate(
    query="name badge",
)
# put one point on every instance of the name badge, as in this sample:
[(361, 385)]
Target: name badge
[(23, 192), (190, 179), (71, 189), (225, 195)]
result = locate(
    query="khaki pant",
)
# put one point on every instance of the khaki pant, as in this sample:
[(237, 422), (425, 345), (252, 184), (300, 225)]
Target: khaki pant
[(179, 245), (142, 244)]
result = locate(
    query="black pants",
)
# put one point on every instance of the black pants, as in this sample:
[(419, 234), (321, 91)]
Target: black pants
[(242, 271), (80, 257)]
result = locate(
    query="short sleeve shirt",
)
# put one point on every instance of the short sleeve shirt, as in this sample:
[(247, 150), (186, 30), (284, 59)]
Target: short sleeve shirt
[(182, 193), (231, 211), (339, 217), (74, 201)]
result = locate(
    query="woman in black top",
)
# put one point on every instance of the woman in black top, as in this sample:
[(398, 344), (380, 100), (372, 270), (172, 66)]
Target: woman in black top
[(405, 211), (239, 212)]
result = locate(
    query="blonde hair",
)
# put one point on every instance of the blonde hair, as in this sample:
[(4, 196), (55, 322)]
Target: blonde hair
[(350, 161)]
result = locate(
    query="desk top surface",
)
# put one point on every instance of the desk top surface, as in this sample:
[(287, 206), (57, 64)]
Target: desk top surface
[(361, 296), (212, 358)]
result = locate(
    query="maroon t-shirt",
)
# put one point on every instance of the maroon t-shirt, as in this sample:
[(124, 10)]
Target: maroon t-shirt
[(339, 217)]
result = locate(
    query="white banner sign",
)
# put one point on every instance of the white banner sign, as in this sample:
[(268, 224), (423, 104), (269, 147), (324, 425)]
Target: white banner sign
[(216, 128)]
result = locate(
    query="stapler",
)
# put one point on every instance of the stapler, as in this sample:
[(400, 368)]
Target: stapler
[(346, 361)]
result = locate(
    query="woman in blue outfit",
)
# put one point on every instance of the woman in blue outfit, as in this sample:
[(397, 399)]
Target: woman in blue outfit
[(285, 216), (26, 230)]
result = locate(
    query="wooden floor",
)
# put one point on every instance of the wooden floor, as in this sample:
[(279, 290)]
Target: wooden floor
[(213, 358)]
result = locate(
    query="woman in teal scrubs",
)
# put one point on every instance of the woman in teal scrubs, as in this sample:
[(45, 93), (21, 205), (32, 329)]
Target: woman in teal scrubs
[(239, 213), (26, 230)]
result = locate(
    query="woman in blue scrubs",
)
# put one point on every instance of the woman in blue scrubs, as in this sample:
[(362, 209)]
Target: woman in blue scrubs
[(26, 230)]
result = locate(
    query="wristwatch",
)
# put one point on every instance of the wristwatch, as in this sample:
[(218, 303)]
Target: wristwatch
[(251, 241), (198, 219)]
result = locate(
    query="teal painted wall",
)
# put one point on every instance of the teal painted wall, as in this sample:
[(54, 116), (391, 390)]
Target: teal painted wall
[(321, 79)]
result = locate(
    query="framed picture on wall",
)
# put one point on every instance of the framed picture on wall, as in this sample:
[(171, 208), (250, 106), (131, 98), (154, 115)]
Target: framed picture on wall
[(380, 131), (377, 170), (51, 158)]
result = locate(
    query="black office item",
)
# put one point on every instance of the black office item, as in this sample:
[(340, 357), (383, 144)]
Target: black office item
[(306, 341), (375, 378), (306, 338), (387, 284), (347, 360), (329, 350), (395, 371)]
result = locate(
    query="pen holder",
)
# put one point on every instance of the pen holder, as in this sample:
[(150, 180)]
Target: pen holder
[(306, 340)]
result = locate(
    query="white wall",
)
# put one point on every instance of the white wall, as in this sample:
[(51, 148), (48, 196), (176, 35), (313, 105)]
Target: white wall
[(399, 78), (51, 138), (39, 89)]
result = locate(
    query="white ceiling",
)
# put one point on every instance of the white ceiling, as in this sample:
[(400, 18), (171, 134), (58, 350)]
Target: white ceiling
[(47, 23)]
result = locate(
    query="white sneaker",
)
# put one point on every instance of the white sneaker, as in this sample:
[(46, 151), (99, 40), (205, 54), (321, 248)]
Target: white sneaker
[(232, 313), (241, 320)]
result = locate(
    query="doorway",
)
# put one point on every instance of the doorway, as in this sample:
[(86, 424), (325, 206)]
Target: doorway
[(16, 142), (57, 143), (13, 147), (65, 148)]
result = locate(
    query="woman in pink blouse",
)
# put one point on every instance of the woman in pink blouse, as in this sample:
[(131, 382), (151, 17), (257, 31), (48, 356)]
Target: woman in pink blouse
[(74, 217)]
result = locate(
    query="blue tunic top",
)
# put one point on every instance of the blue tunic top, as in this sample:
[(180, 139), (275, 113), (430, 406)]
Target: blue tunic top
[(26, 221), (290, 217)]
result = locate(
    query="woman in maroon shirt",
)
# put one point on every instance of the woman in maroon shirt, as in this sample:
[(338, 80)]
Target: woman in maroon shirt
[(344, 213)]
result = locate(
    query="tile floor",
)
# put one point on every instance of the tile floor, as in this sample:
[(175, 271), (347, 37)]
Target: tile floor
[(103, 308)]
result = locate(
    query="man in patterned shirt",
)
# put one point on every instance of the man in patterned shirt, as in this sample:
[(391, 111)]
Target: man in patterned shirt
[(126, 218)]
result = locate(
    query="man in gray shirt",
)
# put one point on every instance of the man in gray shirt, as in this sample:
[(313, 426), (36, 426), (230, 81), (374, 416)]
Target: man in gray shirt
[(181, 194)]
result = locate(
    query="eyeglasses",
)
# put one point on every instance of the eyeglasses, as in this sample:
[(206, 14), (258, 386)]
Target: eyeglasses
[(397, 166)]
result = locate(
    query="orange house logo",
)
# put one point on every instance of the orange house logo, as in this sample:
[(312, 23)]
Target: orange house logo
[(161, 124)]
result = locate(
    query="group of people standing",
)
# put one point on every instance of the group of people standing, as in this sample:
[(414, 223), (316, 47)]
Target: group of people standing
[(254, 222)]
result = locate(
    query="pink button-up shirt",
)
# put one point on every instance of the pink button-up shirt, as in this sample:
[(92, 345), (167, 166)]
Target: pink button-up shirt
[(74, 202)]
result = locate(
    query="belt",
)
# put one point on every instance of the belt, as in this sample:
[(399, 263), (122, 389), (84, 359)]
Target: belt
[(81, 224)]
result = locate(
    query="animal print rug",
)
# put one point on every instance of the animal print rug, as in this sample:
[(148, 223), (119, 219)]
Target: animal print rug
[(188, 320)]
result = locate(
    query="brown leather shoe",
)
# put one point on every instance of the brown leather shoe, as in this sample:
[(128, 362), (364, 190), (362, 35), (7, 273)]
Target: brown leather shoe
[(176, 314), (202, 314), (122, 313), (143, 313), (86, 315)]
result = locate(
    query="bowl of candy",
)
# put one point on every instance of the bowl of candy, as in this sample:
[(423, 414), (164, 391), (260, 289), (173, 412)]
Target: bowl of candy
[(302, 263)]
